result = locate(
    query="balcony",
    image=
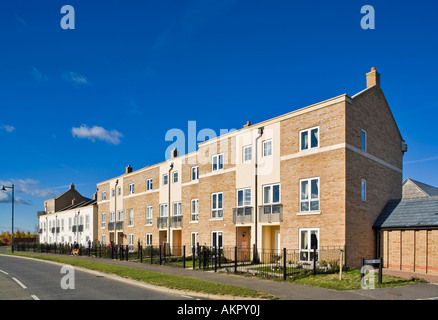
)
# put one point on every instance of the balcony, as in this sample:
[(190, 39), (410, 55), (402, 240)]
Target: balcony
[(243, 215), (162, 222), (271, 213), (119, 225), (176, 221)]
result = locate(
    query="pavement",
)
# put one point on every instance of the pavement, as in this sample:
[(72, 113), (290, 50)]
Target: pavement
[(290, 291)]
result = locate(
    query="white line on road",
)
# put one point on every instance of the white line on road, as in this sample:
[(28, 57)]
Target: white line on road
[(34, 297), (17, 281), (3, 272)]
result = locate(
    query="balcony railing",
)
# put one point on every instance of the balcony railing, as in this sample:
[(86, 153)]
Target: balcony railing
[(119, 225), (162, 222), (176, 221), (243, 215), (271, 213)]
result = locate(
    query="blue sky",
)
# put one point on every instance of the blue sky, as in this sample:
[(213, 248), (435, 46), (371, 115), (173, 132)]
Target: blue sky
[(80, 105)]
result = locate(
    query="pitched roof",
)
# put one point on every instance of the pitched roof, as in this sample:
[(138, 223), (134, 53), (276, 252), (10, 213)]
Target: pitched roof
[(409, 213), (427, 189), (82, 204)]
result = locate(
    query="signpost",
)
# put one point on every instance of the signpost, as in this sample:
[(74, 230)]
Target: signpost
[(378, 261)]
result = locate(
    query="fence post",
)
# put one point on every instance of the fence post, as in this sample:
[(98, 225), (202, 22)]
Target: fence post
[(204, 257), (314, 260), (184, 256), (141, 253), (235, 259), (284, 264), (194, 256), (127, 252), (160, 254), (215, 259)]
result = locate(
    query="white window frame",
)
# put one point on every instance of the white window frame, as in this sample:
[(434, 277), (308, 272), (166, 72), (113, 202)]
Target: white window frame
[(267, 152), (363, 189), (245, 203), (149, 184), (103, 238), (309, 143), (103, 195), (215, 237), (162, 211), (308, 250), (363, 138), (218, 161), (177, 208), (309, 198), (247, 157), (149, 215), (120, 215), (130, 217), (216, 211), (194, 210), (87, 222), (149, 239), (131, 241), (195, 171), (194, 237), (131, 188), (112, 217), (175, 177), (165, 179)]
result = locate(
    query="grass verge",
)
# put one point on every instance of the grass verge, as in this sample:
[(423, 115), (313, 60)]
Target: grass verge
[(159, 279), (351, 281)]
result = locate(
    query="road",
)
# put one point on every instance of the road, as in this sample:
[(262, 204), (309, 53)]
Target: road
[(26, 279)]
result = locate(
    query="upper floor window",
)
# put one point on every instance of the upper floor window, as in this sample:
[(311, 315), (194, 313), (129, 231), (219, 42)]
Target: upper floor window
[(194, 210), (195, 173), (309, 138), (217, 205), (113, 192), (309, 195), (175, 177), (149, 211), (149, 184), (267, 148), (165, 179), (217, 162), (364, 140), (247, 153), (131, 188), (130, 217), (103, 195), (364, 190)]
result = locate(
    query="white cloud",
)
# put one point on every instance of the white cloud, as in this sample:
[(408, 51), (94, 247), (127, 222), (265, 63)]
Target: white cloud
[(24, 186), (97, 133), (7, 128), (40, 77), (76, 78)]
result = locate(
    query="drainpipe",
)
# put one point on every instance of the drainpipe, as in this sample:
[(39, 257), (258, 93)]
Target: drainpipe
[(169, 208), (256, 256)]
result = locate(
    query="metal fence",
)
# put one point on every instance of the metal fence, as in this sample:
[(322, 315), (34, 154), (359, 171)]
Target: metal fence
[(265, 263)]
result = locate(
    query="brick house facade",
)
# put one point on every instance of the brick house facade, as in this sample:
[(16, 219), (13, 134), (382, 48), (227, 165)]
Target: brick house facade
[(318, 175)]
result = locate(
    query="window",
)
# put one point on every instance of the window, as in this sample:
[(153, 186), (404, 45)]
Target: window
[(69, 222), (364, 140), (267, 148), (309, 244), (87, 222), (103, 239), (130, 217), (247, 153), (216, 205), (149, 239), (113, 192), (149, 184), (195, 173), (175, 177), (194, 210), (149, 215), (164, 179), (103, 195), (112, 216), (131, 241), (243, 202), (177, 209), (120, 191), (364, 190), (194, 242), (271, 199), (131, 188), (217, 162), (309, 139), (216, 239), (62, 225), (309, 195), (163, 210), (120, 215)]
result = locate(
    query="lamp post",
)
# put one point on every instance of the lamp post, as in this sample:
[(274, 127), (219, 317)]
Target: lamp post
[(115, 209), (169, 180), (13, 191)]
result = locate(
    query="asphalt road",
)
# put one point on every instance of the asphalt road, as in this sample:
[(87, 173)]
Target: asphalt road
[(25, 279)]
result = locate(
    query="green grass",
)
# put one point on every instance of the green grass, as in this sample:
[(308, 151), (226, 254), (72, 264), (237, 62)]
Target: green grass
[(160, 279), (350, 281)]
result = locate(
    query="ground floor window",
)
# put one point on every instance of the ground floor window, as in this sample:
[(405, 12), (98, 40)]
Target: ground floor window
[(309, 244), (216, 239), (148, 239), (131, 241), (194, 241)]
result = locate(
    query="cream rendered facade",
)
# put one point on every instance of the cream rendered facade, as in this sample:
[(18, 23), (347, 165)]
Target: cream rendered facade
[(313, 167)]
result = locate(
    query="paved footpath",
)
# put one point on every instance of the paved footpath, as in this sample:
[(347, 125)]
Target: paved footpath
[(289, 291)]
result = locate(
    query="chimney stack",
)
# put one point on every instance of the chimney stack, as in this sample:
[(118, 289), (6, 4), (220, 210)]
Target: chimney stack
[(128, 169), (174, 153), (247, 124), (373, 78), (72, 186)]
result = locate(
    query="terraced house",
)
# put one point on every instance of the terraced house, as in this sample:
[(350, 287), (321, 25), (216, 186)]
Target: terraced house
[(312, 178)]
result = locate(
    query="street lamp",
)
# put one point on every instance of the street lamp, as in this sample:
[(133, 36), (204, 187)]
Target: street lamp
[(13, 191)]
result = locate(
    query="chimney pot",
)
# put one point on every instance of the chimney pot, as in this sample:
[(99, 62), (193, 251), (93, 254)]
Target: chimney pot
[(174, 153), (248, 123), (128, 169)]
